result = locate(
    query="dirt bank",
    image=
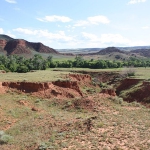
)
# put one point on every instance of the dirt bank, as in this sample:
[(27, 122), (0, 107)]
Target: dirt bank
[(126, 84), (61, 88)]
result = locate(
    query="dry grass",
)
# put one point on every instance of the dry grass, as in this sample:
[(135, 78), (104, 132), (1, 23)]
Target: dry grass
[(50, 75), (113, 126), (37, 76)]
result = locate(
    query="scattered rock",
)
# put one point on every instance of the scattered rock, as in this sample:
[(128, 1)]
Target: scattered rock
[(34, 109)]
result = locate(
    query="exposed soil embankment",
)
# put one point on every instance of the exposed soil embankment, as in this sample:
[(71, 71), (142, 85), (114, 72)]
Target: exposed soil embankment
[(2, 88), (142, 94), (110, 92), (82, 79), (126, 84), (61, 89), (66, 89), (69, 84), (134, 90), (103, 76), (27, 87)]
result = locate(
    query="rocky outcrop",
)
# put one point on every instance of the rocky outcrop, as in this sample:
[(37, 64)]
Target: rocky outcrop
[(39, 47), (24, 47), (20, 46), (17, 47)]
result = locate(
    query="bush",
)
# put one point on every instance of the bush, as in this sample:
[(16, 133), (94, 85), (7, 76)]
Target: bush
[(135, 104), (117, 100), (128, 72), (22, 69), (4, 138)]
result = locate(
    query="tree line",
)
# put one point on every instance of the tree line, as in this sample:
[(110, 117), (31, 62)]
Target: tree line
[(15, 63)]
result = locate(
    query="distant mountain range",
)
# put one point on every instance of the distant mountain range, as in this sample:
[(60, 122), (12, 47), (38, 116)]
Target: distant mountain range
[(9, 46)]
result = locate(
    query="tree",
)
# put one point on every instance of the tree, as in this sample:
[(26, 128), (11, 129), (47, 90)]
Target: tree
[(22, 69), (79, 61)]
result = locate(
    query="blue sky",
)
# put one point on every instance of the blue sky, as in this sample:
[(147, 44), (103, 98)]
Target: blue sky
[(77, 23)]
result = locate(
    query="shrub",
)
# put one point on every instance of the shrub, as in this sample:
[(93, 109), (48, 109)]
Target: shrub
[(135, 104), (128, 72), (4, 138), (117, 100)]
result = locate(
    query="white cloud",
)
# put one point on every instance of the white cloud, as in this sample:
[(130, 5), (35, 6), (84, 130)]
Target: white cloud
[(114, 38), (54, 18), (61, 39), (98, 19), (26, 31), (146, 27), (105, 39), (60, 36), (11, 1), (136, 1), (1, 31), (10, 34), (7, 33), (81, 23)]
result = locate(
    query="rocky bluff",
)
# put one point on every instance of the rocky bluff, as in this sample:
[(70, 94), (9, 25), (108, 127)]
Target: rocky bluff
[(20, 46)]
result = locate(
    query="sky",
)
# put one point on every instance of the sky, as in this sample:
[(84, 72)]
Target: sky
[(71, 24)]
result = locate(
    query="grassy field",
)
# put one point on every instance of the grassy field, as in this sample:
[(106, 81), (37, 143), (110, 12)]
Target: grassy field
[(37, 76), (50, 75)]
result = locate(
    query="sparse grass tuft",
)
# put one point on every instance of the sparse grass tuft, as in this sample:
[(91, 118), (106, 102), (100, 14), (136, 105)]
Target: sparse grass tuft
[(4, 138)]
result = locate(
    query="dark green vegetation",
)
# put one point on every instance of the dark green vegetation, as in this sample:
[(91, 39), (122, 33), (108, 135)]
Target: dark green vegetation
[(14, 63)]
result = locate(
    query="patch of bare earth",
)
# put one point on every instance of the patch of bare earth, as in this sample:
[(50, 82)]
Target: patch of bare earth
[(58, 115)]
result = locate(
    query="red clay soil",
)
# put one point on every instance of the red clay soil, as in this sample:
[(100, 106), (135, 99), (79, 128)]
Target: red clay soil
[(2, 88), (68, 84), (48, 90), (102, 76), (110, 92), (60, 89), (141, 95), (2, 71), (127, 83), (81, 79)]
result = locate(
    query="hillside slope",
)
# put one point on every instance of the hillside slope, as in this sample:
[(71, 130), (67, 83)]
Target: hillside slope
[(20, 46)]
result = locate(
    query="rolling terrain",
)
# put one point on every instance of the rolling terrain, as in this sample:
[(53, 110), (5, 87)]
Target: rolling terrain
[(74, 109), (80, 109), (10, 46)]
